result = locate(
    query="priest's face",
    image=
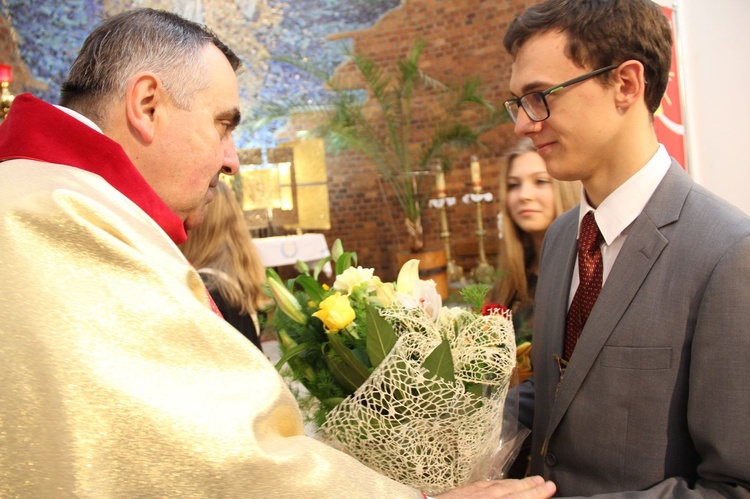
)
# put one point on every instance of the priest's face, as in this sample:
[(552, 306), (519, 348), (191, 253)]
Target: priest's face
[(197, 142)]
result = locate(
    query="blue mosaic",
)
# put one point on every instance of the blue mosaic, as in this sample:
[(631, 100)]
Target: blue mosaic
[(51, 32)]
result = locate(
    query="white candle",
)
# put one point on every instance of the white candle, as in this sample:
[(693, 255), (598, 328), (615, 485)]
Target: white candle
[(476, 176)]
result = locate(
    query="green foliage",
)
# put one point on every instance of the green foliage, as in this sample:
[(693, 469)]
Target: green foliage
[(380, 336), (331, 365), (440, 363), (474, 294)]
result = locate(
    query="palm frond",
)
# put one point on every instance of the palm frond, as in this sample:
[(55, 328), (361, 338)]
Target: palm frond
[(389, 102), (377, 122), (453, 135)]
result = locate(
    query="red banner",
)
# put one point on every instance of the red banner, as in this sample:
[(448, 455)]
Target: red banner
[(668, 121)]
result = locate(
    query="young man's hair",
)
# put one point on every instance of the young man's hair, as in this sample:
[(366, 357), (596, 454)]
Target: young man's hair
[(604, 32), (134, 41)]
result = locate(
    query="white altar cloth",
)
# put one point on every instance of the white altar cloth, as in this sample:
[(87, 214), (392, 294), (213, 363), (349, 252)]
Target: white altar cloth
[(287, 250)]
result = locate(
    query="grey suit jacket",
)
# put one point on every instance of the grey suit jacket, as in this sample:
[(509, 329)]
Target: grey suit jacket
[(656, 397)]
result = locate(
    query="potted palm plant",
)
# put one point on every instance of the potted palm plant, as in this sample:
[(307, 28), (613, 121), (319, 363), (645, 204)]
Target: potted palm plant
[(378, 124)]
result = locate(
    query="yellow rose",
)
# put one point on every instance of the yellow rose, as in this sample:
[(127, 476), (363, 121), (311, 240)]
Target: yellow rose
[(335, 312)]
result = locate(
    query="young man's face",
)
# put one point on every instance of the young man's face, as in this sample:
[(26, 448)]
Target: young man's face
[(576, 140), (198, 144)]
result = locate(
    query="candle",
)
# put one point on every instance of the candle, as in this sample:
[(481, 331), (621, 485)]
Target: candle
[(476, 176), (440, 183), (6, 73)]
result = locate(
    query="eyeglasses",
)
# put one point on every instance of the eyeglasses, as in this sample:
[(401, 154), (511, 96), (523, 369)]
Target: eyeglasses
[(535, 103)]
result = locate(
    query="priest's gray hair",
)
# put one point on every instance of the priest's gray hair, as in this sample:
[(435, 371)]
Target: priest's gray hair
[(135, 41)]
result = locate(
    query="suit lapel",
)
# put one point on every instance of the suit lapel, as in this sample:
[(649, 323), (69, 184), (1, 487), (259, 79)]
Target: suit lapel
[(559, 259), (642, 248)]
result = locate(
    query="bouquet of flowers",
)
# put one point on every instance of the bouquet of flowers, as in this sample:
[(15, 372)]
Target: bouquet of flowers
[(412, 389), (523, 342)]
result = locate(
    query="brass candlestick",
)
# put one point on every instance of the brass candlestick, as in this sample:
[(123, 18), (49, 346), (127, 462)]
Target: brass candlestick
[(483, 272), (455, 272), (6, 98)]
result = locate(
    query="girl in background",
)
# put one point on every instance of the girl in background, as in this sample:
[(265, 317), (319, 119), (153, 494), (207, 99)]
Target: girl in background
[(530, 201), (222, 251)]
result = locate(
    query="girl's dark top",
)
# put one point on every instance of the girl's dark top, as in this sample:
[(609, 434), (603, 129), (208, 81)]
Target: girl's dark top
[(241, 322), (523, 313)]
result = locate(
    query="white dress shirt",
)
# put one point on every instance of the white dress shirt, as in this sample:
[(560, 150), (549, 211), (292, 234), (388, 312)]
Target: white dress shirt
[(79, 117), (616, 213)]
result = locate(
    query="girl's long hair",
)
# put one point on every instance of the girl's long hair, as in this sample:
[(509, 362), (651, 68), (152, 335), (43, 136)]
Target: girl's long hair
[(517, 250), (223, 244)]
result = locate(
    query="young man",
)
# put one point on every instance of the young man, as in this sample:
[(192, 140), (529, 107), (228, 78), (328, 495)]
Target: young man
[(117, 378), (648, 390)]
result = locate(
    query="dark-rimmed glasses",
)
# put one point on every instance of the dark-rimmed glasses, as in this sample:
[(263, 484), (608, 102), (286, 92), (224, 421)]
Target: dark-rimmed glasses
[(535, 103)]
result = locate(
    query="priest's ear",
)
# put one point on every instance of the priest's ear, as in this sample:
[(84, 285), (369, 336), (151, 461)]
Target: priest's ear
[(143, 95)]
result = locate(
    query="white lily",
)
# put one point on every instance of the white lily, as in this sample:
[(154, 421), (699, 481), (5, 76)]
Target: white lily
[(287, 302), (408, 277), (413, 292)]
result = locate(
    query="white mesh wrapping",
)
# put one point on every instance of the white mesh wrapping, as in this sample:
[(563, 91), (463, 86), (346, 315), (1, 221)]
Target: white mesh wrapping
[(429, 433)]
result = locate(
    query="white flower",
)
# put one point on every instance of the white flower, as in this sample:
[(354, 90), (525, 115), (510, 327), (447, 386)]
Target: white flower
[(413, 292), (407, 277), (429, 299), (351, 278)]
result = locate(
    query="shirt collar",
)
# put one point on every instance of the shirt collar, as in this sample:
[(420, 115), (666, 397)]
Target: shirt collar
[(624, 205), (80, 118)]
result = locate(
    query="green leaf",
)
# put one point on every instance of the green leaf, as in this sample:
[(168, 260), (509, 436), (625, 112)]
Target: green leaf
[(348, 377), (290, 354), (311, 286), (475, 389), (440, 363), (349, 358), (380, 336), (319, 266), (361, 356), (343, 262)]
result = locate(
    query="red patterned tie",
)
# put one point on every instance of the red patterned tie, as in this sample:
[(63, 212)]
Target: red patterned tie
[(590, 273)]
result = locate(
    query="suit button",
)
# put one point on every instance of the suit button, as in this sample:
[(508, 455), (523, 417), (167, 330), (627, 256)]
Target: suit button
[(550, 459)]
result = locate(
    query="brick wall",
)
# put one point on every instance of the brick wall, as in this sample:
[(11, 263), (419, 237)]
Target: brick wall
[(464, 39)]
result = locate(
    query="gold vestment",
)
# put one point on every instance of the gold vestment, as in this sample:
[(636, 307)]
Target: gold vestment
[(116, 378)]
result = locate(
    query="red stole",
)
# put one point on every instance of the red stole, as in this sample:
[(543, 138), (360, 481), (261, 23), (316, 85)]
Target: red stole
[(39, 131)]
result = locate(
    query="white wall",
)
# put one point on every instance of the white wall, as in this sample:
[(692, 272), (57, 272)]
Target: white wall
[(713, 43)]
